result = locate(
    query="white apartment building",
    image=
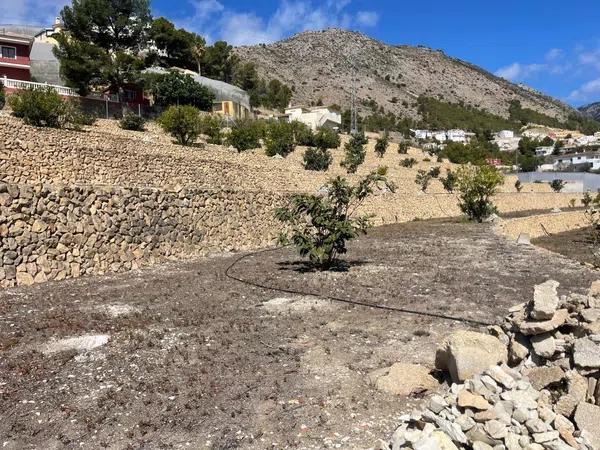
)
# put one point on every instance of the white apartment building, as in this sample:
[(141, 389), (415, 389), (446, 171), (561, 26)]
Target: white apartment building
[(314, 118)]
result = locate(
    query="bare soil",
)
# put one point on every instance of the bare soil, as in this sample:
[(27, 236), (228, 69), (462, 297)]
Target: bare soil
[(574, 244), (197, 360)]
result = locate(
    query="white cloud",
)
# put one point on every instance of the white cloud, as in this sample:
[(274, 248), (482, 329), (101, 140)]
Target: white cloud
[(520, 72), (212, 19), (367, 18), (31, 12), (588, 91)]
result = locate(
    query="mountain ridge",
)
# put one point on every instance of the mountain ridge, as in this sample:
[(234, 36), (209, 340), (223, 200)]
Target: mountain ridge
[(592, 110), (318, 67)]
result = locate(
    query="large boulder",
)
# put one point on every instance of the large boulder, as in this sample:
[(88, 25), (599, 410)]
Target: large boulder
[(403, 379), (468, 353), (545, 300), (586, 352), (587, 417), (533, 327)]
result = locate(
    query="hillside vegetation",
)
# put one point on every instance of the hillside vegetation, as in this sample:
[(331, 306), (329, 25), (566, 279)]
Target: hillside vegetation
[(319, 67)]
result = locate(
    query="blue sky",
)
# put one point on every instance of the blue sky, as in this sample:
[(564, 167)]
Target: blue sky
[(550, 45)]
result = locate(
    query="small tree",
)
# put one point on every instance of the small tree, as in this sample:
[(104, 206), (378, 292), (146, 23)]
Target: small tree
[(326, 138), (132, 122), (592, 215), (355, 153), (435, 172), (210, 125), (422, 179), (557, 185), (279, 139), (245, 135), (173, 88), (403, 147), (586, 201), (518, 185), (320, 226), (381, 145), (449, 181), (181, 122), (408, 162), (476, 186), (303, 135), (317, 159)]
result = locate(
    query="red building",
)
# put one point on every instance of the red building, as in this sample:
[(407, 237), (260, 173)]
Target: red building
[(14, 57)]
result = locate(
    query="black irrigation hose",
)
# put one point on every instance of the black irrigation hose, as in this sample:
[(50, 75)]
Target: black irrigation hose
[(337, 299)]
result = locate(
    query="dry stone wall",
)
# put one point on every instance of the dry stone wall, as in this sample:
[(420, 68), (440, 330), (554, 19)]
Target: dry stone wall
[(65, 212), (57, 232)]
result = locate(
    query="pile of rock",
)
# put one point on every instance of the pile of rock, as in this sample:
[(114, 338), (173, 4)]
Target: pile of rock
[(532, 383)]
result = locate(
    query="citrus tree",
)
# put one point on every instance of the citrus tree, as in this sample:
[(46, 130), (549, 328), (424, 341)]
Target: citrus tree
[(476, 186), (320, 225)]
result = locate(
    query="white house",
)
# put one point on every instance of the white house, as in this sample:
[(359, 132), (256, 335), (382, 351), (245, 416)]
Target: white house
[(314, 118), (422, 134), (506, 134), (457, 135), (544, 151), (578, 158)]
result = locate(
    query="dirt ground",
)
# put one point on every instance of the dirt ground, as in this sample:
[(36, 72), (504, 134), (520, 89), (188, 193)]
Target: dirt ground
[(185, 357), (574, 244)]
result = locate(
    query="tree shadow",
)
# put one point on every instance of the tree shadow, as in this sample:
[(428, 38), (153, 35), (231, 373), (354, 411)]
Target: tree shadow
[(339, 265)]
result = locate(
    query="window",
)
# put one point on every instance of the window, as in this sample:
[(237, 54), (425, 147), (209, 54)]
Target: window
[(9, 52)]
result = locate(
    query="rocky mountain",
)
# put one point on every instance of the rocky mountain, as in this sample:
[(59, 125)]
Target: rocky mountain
[(319, 65), (592, 110)]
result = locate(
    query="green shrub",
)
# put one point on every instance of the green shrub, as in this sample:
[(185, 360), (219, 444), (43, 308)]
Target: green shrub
[(403, 147), (557, 185), (355, 153), (41, 107), (181, 122), (279, 139), (245, 135), (317, 159), (326, 138), (449, 181), (211, 125), (320, 226), (132, 122), (434, 172), (422, 179), (408, 162), (381, 145), (476, 186), (586, 201), (2, 96), (303, 135)]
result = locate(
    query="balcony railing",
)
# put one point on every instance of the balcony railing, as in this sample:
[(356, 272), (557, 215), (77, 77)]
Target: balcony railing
[(18, 84), (20, 60)]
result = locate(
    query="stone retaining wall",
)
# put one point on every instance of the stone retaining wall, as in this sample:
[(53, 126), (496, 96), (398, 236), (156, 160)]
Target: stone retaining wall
[(553, 223), (53, 232)]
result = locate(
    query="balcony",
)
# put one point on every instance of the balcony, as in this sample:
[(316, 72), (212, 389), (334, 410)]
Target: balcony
[(20, 61), (16, 85)]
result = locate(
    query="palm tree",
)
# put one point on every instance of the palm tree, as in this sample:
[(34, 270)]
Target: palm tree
[(198, 52)]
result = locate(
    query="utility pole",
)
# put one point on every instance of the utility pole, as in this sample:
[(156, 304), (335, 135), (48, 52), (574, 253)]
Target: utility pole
[(353, 111)]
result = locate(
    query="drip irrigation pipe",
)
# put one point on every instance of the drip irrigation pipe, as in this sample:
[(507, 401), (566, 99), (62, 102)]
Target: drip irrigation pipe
[(337, 299)]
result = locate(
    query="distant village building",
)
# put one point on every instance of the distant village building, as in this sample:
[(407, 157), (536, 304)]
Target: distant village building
[(314, 118), (443, 136), (588, 158), (544, 151), (506, 134)]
